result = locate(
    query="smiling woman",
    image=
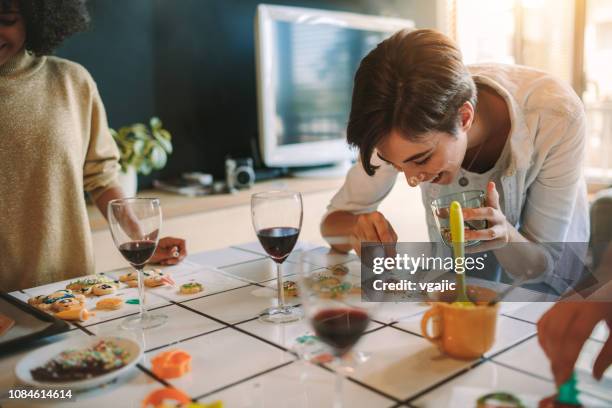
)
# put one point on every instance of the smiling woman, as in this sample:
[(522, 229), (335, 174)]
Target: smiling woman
[(514, 132), (60, 146)]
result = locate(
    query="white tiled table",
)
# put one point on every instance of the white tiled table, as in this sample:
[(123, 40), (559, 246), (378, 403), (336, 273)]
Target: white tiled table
[(247, 363)]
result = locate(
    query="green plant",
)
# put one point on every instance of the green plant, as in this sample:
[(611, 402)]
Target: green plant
[(143, 148)]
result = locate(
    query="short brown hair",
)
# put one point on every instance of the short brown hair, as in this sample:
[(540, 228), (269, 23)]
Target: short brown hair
[(412, 82)]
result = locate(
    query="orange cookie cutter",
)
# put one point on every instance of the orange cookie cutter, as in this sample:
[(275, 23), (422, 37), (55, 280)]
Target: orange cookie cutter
[(171, 364), (157, 397)]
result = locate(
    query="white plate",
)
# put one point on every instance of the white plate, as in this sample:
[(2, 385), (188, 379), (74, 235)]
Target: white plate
[(42, 355)]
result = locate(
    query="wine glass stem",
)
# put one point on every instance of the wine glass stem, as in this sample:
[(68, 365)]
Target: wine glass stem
[(281, 292), (339, 388), (141, 292)]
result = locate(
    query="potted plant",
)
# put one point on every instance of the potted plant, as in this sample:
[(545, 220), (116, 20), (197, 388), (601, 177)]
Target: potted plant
[(142, 150)]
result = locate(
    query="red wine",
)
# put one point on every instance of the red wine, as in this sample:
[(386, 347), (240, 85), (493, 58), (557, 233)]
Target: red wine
[(137, 252), (340, 328), (278, 241)]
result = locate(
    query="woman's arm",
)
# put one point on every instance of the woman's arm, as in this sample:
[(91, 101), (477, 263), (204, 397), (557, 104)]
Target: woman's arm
[(107, 195), (169, 251), (352, 217), (345, 231), (336, 228), (100, 178)]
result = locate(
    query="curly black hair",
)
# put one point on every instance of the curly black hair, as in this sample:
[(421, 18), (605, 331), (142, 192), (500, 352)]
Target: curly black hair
[(49, 23)]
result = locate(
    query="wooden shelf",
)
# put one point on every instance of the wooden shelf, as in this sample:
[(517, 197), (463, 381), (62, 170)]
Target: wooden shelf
[(174, 205)]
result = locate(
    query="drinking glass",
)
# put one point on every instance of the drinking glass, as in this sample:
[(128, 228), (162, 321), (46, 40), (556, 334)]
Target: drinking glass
[(134, 224), (338, 315), (277, 220), (441, 212)]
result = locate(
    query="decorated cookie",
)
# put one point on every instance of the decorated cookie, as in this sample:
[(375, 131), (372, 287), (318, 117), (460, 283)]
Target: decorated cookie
[(59, 294), (132, 283), (326, 283), (154, 280), (66, 304), (36, 300), (340, 270), (130, 276), (45, 307), (102, 289), (191, 288), (84, 290), (290, 288), (82, 285), (112, 303)]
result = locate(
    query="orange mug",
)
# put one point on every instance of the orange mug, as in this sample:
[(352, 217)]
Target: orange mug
[(464, 332)]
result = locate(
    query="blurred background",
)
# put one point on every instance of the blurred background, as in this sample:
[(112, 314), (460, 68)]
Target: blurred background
[(192, 63)]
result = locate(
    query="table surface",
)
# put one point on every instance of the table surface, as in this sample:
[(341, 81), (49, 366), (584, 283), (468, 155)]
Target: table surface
[(248, 363)]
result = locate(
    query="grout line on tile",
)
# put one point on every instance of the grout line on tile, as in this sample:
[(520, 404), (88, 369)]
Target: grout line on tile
[(444, 381), (127, 315), (520, 370), (203, 314), (82, 328), (374, 329), (518, 318), (210, 294), (283, 348), (364, 385), (246, 320), (185, 339), (243, 262), (248, 250), (153, 376), (233, 326), (383, 323), (511, 346), (243, 380), (406, 331)]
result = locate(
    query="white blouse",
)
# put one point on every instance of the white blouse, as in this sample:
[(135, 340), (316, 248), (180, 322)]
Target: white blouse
[(539, 176)]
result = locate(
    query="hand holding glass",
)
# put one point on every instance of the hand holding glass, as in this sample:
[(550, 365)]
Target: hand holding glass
[(467, 199), (134, 224)]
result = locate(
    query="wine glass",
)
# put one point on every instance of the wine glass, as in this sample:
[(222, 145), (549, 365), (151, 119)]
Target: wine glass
[(135, 224), (277, 219), (337, 313)]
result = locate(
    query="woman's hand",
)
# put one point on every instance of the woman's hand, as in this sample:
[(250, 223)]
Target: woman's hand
[(170, 251), (371, 227), (497, 234), (563, 330)]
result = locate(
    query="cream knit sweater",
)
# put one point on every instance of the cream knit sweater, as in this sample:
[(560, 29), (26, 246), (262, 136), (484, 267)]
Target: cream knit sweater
[(54, 144)]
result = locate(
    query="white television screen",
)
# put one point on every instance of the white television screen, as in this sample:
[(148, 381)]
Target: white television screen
[(306, 63)]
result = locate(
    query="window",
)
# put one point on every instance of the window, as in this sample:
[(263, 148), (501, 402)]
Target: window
[(571, 39)]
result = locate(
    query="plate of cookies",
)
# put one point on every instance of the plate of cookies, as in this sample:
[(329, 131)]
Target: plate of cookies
[(79, 363), (71, 303)]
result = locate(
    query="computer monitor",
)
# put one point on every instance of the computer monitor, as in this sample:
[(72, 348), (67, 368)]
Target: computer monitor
[(306, 63)]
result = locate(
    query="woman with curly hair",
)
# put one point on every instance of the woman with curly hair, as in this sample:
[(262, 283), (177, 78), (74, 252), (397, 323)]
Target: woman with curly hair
[(55, 144)]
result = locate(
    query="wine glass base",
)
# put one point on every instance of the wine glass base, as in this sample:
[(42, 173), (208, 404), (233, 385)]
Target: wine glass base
[(146, 321), (283, 314)]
